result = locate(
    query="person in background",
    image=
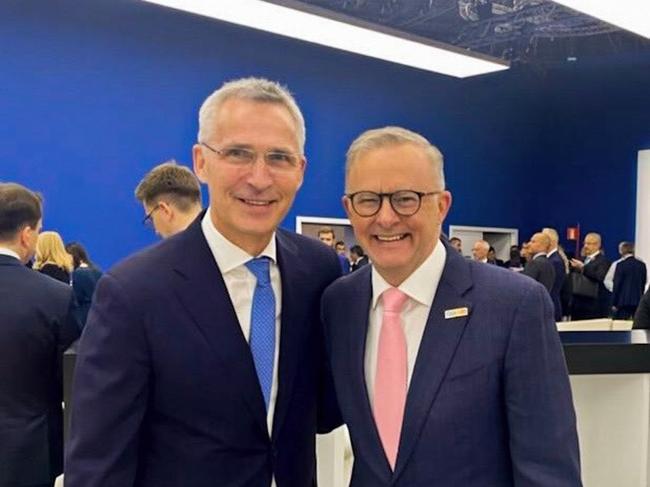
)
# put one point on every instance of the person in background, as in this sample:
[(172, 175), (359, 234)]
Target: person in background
[(538, 267), (37, 324), (642, 315), (560, 266), (492, 258), (626, 279), (447, 372), (327, 236), (358, 258), (594, 267), (457, 244), (339, 246), (84, 278), (514, 263), (171, 197), (51, 257), (480, 251)]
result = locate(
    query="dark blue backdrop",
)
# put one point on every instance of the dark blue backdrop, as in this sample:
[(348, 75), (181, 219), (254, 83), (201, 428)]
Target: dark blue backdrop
[(94, 93)]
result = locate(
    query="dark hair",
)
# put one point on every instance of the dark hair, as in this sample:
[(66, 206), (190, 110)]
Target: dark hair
[(172, 181), (78, 253), (455, 239), (339, 242), (627, 247), (19, 208), (357, 250)]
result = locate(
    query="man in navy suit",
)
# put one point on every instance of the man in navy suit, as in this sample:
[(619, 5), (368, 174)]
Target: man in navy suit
[(627, 279), (560, 268), (202, 362), (538, 267), (37, 323), (448, 372)]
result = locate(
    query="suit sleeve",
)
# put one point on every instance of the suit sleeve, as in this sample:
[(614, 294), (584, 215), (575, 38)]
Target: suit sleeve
[(541, 419), (598, 270), (109, 393), (69, 325), (329, 414), (642, 315)]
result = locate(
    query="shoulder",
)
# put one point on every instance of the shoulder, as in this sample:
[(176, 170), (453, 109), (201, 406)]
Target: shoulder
[(309, 251), (42, 285), (499, 284)]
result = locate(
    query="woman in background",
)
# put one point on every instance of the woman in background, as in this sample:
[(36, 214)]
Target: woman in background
[(51, 257), (84, 278)]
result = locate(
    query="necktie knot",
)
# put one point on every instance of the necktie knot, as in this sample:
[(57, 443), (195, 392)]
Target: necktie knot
[(260, 267), (393, 300)]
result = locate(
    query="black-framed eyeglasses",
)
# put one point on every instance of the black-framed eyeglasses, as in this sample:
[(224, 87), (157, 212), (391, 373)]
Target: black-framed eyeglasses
[(147, 220), (404, 202), (275, 160)]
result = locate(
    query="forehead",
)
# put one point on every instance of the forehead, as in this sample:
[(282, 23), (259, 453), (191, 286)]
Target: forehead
[(243, 121), (403, 166), (591, 239)]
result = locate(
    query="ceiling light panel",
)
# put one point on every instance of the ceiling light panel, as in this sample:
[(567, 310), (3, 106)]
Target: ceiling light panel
[(309, 27)]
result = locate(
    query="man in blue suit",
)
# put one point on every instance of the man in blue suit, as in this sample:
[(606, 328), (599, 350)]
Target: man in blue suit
[(448, 372), (561, 268), (628, 277), (202, 362), (37, 323)]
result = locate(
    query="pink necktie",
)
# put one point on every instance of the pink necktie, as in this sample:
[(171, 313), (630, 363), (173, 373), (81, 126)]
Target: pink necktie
[(390, 379)]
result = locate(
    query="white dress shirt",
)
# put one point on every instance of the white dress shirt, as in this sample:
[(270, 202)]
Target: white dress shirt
[(420, 287), (9, 252), (240, 283)]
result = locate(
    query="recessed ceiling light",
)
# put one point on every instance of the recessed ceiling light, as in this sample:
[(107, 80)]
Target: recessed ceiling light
[(309, 27), (632, 15)]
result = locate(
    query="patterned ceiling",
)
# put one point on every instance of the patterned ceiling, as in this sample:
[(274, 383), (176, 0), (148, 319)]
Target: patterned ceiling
[(538, 32)]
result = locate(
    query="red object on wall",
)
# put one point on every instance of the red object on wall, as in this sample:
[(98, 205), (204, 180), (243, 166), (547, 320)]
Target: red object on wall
[(572, 233)]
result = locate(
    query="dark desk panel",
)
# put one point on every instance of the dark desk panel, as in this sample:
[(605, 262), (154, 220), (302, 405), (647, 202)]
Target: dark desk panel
[(606, 352)]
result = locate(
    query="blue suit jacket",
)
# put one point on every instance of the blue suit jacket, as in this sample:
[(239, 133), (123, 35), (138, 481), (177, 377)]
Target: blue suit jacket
[(37, 323), (165, 389), (489, 402), (556, 290), (629, 282)]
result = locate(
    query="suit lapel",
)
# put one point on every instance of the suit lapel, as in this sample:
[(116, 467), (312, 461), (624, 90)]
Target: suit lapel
[(202, 290), (292, 324), (437, 348)]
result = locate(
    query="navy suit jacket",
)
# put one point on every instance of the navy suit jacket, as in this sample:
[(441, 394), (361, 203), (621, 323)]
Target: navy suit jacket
[(542, 271), (165, 389), (37, 323), (556, 291), (629, 282), (489, 402)]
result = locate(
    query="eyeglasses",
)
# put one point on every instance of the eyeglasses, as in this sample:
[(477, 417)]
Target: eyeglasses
[(243, 157), (147, 220), (404, 202)]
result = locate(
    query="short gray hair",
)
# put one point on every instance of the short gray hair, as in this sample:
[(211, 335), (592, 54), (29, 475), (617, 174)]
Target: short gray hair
[(390, 136), (254, 89)]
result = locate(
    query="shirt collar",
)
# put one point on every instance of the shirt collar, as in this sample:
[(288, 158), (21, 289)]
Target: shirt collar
[(422, 284), (593, 256), (9, 252), (227, 255), (551, 252), (539, 254)]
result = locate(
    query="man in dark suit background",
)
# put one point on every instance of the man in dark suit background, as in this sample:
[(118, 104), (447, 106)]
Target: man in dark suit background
[(202, 361), (37, 323), (560, 267), (627, 278), (448, 372), (594, 268), (538, 267), (358, 258)]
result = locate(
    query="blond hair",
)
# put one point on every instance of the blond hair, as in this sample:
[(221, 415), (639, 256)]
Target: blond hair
[(50, 250)]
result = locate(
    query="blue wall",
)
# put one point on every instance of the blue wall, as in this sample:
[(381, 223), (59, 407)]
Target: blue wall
[(94, 93)]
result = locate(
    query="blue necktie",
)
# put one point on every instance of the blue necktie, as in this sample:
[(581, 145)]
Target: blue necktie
[(262, 334)]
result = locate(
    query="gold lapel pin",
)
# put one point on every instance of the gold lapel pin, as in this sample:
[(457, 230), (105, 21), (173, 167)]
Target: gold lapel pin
[(456, 313)]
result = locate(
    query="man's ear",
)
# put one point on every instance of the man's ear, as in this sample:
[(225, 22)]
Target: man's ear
[(167, 209), (347, 205), (199, 163)]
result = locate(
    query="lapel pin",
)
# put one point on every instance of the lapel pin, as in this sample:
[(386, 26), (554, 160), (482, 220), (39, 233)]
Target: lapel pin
[(456, 313)]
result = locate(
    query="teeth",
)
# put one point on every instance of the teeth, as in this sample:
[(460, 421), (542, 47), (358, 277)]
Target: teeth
[(257, 202), (392, 238)]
